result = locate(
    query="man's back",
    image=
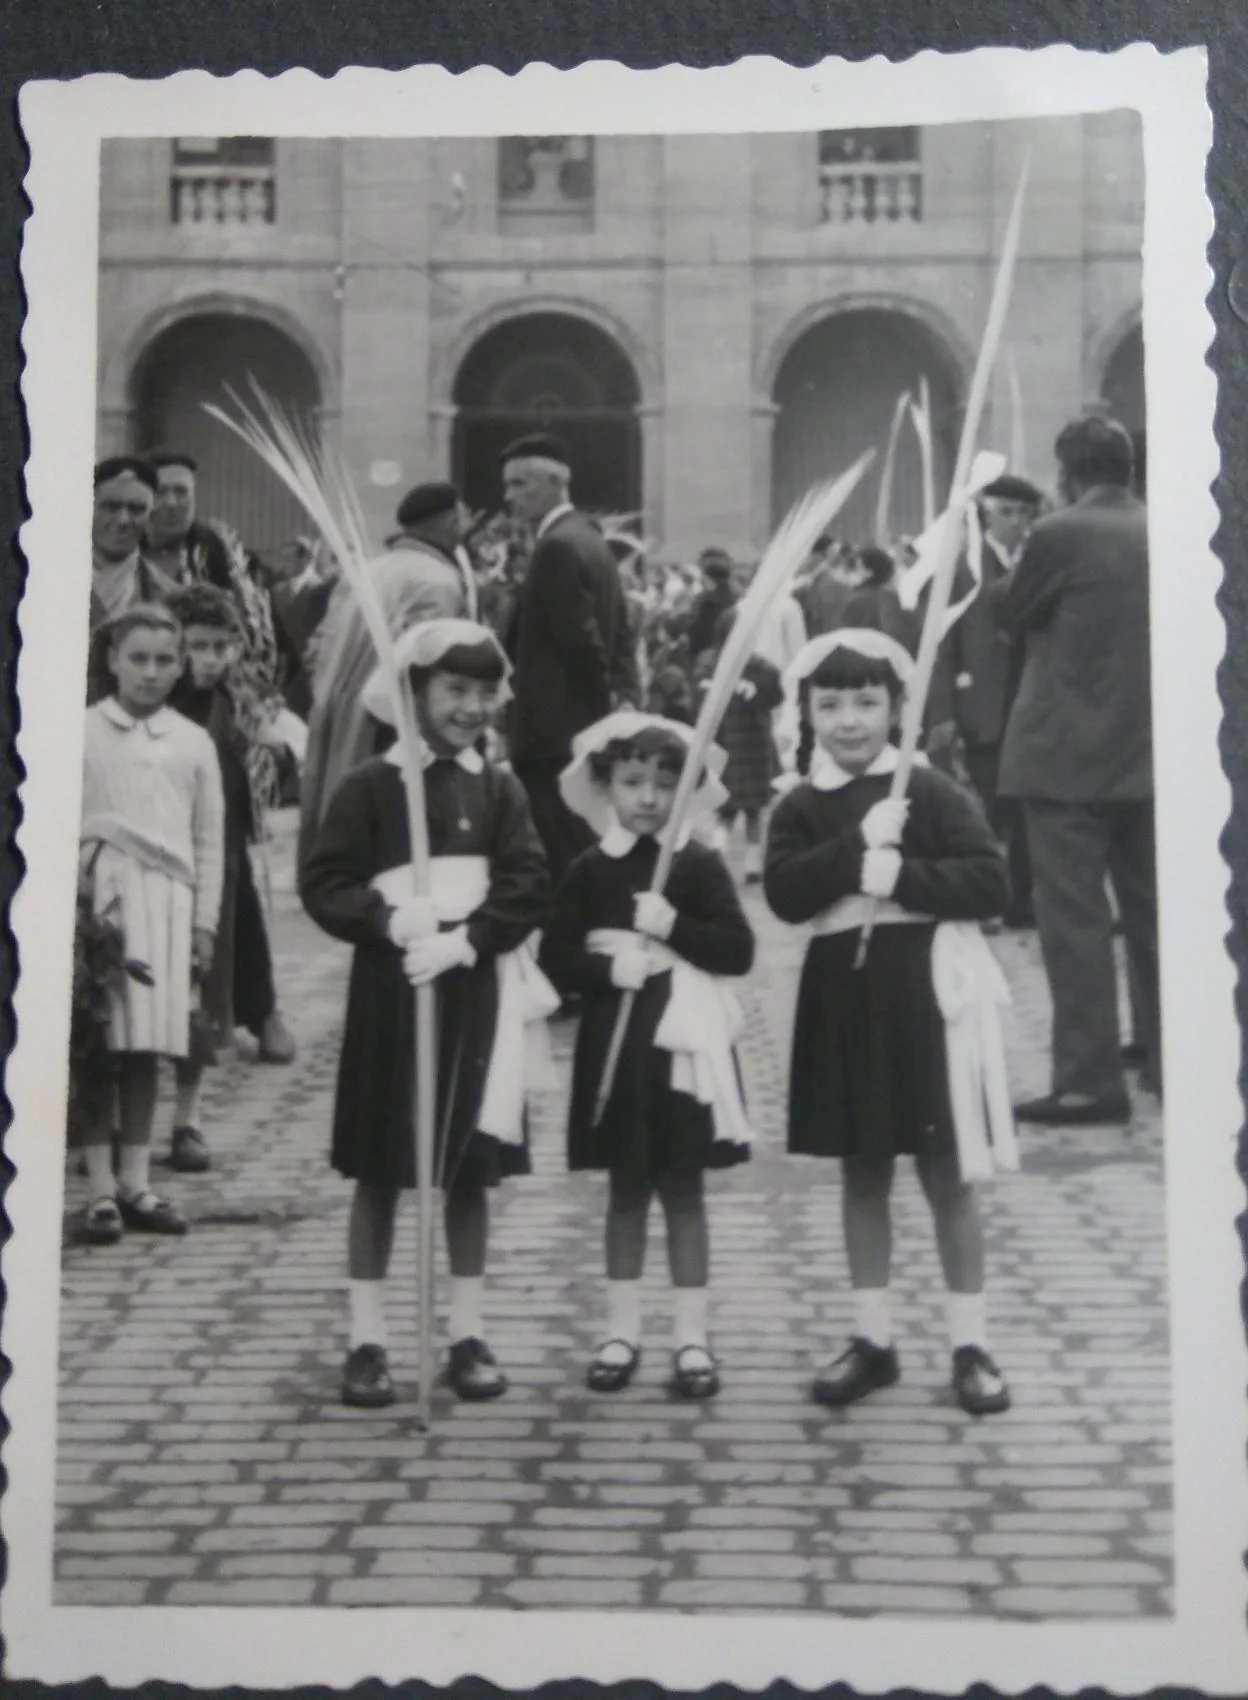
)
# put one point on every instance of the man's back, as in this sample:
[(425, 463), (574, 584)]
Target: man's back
[(1081, 726)]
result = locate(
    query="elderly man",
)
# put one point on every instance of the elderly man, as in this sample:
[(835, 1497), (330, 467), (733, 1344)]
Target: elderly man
[(976, 673), (420, 578), (1078, 753), (125, 492), (569, 639)]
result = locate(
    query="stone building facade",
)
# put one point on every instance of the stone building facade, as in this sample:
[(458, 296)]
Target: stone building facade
[(712, 321)]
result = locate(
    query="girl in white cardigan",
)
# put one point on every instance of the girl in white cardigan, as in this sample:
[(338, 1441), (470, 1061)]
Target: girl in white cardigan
[(152, 862)]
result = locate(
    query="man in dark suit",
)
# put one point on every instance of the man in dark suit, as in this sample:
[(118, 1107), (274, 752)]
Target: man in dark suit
[(1078, 753), (976, 674), (569, 638)]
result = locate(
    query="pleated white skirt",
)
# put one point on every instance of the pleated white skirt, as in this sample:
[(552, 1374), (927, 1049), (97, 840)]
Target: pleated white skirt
[(154, 914)]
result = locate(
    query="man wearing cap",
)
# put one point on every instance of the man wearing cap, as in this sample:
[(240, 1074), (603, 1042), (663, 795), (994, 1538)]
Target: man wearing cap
[(1078, 753), (125, 490), (569, 639), (976, 674), (421, 577)]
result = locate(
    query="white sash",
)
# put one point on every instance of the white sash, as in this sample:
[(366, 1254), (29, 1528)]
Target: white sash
[(699, 1026), (520, 1057), (971, 992), (849, 913)]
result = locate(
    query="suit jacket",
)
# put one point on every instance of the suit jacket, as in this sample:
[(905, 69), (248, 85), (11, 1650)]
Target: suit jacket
[(1081, 726), (570, 641), (823, 602), (973, 679)]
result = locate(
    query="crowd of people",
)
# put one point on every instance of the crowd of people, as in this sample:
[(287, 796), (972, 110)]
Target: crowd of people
[(555, 690)]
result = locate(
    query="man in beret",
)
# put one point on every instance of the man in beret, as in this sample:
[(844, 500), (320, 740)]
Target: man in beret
[(569, 638), (1078, 753), (420, 577), (977, 672), (125, 491)]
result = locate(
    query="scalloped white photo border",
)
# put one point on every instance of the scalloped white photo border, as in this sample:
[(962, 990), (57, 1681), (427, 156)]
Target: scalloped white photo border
[(1204, 1645)]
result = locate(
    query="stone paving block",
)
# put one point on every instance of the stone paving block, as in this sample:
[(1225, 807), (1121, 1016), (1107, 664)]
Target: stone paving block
[(728, 1540), (412, 1562), (1089, 1572), (589, 1541), (897, 1598), (102, 1593), (140, 1564), (443, 1512), (116, 1541), (567, 1591), (451, 1536), (284, 1537), (973, 1572), (564, 1565), (404, 1591), (314, 1564), (1068, 1602), (732, 1594), (255, 1591)]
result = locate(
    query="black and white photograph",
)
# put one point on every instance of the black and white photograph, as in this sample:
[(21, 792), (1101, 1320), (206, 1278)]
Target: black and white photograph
[(627, 1061)]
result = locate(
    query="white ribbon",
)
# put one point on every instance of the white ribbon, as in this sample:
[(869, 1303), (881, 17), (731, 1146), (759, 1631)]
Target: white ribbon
[(520, 1056), (699, 1026), (971, 992)]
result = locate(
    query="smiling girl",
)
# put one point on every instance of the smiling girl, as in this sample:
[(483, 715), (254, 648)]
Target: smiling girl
[(152, 857), (870, 1080)]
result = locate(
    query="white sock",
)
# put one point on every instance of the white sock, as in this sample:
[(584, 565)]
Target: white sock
[(689, 1321), (623, 1313), (186, 1103), (368, 1313), (968, 1320), (134, 1170), (753, 858), (873, 1315), (99, 1160), (467, 1306)]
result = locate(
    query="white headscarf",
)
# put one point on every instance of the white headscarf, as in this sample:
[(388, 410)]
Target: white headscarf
[(587, 796), (423, 646)]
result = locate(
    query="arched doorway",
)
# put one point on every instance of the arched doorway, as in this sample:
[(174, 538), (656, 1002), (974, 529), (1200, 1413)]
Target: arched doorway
[(1122, 386), (549, 372), (835, 393), (200, 359)]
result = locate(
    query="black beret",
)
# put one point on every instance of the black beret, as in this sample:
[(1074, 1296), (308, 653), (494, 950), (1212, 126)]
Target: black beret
[(541, 445), (1011, 488), (426, 501), (117, 465)]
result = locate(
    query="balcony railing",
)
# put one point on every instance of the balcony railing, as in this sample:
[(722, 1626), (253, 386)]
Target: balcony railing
[(216, 194), (871, 193)]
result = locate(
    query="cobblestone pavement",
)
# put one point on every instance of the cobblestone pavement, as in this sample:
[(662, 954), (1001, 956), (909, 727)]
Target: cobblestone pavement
[(204, 1457)]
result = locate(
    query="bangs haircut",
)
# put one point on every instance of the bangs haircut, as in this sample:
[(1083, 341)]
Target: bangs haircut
[(653, 741), (847, 670), (480, 661), (140, 616)]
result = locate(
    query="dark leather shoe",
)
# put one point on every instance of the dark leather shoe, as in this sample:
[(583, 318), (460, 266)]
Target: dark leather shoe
[(860, 1370), (694, 1373), (978, 1383), (608, 1375), (147, 1214), (188, 1152), (1072, 1109), (277, 1044), (473, 1371), (366, 1378)]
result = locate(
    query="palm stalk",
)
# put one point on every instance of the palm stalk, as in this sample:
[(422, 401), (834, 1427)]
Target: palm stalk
[(947, 556), (921, 417), (320, 482), (787, 552), (884, 498)]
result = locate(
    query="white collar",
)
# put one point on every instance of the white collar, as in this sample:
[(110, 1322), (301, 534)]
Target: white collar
[(1007, 557), (548, 519), (155, 725), (617, 840), (470, 759), (827, 774)]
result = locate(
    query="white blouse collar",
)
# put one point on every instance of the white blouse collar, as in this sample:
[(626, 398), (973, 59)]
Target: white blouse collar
[(617, 840), (827, 774), (156, 725), (470, 759)]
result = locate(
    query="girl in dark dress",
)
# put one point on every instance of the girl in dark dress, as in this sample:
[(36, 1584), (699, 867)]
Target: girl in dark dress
[(489, 891), (675, 1107), (870, 1078), (746, 734)]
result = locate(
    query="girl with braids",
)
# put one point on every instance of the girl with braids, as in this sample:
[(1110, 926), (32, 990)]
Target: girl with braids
[(871, 1076)]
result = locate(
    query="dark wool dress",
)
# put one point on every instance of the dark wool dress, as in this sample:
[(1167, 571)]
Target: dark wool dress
[(363, 834), (869, 1077), (745, 732), (647, 1129)]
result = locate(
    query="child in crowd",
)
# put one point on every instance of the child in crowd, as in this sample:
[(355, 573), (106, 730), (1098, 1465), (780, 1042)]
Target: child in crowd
[(675, 1106), (746, 733), (873, 1077), (489, 891), (212, 637), (152, 856)]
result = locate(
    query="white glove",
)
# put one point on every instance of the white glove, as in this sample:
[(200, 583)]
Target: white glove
[(884, 822), (428, 957), (880, 869), (653, 914), (412, 918), (630, 968), (747, 689)]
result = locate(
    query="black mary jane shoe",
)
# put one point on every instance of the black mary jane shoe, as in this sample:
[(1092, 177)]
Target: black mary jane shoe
[(978, 1384), (607, 1375), (1069, 1109), (694, 1373), (101, 1222), (147, 1214), (862, 1368), (472, 1371), (188, 1151), (366, 1378)]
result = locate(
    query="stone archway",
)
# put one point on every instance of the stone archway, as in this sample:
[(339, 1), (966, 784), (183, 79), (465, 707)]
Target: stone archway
[(549, 371), (1122, 381), (834, 393), (198, 359)]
